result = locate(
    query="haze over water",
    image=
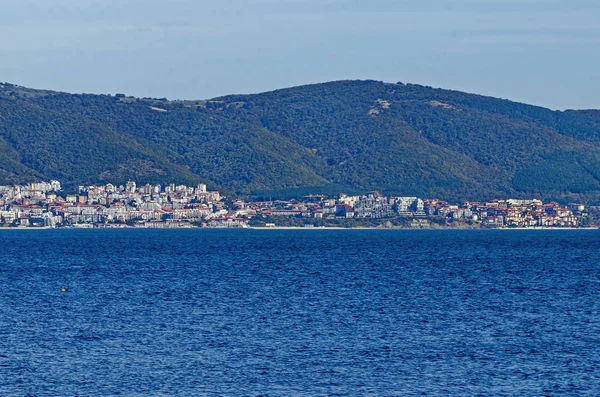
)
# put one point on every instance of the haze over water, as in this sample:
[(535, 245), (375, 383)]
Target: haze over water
[(247, 312)]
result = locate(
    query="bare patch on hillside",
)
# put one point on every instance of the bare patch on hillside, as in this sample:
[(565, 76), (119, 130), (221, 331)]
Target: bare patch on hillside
[(382, 105), (438, 104)]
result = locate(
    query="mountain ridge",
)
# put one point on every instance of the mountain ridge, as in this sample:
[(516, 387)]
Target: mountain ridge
[(350, 134)]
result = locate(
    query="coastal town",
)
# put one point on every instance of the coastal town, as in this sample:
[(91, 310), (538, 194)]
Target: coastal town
[(45, 205)]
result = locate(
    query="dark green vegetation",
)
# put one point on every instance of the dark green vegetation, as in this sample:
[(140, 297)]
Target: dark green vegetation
[(341, 136)]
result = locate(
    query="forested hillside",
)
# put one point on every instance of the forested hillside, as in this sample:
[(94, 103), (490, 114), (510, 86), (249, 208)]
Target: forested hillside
[(348, 135)]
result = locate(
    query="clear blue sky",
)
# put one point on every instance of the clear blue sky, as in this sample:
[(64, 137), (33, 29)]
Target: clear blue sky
[(544, 52)]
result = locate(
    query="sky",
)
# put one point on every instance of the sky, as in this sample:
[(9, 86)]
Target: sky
[(542, 52)]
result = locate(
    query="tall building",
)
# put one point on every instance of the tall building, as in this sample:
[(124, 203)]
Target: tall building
[(55, 186), (131, 187)]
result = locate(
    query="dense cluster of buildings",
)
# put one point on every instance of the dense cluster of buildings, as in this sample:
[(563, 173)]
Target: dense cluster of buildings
[(497, 213), (162, 206), (42, 204)]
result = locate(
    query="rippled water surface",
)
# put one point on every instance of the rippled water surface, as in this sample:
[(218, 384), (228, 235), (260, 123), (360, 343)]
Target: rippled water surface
[(278, 313)]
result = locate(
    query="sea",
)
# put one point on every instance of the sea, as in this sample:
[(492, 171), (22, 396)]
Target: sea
[(299, 312)]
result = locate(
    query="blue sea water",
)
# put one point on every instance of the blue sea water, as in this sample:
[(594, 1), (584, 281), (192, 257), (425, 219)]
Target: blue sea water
[(279, 313)]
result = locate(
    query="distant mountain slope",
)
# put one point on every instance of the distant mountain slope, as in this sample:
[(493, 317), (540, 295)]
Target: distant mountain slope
[(235, 155), (44, 143), (402, 139), (433, 141)]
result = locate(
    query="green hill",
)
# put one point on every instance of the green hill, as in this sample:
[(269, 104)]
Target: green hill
[(347, 135)]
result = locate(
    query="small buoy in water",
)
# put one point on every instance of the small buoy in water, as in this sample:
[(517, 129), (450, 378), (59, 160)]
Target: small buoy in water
[(63, 290)]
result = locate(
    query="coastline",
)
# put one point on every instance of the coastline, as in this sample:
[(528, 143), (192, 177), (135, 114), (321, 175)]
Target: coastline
[(301, 228), (423, 228)]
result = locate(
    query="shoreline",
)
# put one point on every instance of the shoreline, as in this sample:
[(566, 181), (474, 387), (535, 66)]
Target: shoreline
[(424, 228), (300, 228)]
